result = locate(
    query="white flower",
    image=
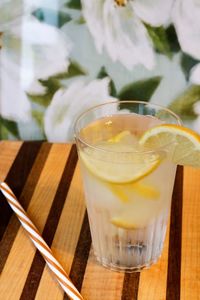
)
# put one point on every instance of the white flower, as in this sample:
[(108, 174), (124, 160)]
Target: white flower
[(197, 108), (186, 19), (196, 123), (14, 102), (31, 50), (43, 50), (154, 12), (9, 11), (43, 3), (68, 104), (120, 31), (195, 74)]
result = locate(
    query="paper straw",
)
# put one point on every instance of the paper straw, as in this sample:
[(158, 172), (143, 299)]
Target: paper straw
[(40, 244)]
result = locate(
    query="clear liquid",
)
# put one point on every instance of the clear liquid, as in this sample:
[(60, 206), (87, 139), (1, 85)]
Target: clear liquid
[(127, 220)]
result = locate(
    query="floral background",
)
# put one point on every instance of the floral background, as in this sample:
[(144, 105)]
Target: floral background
[(57, 58)]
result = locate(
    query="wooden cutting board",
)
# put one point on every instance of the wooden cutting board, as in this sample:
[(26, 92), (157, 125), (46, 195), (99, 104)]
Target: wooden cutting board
[(46, 180)]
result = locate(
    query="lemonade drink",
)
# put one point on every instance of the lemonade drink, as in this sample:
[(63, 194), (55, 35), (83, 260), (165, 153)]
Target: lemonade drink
[(128, 189)]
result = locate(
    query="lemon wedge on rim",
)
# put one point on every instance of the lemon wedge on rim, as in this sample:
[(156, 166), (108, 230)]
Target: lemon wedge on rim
[(183, 143)]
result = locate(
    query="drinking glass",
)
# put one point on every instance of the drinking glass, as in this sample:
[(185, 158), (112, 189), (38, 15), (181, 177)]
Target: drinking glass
[(127, 187)]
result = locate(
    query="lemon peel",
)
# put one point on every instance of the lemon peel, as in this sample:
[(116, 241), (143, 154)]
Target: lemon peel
[(184, 143)]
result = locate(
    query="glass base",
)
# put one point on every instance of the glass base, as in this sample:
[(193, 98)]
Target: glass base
[(126, 250), (132, 269)]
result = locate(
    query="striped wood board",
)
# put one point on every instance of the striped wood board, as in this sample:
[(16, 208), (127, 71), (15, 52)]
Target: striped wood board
[(45, 178)]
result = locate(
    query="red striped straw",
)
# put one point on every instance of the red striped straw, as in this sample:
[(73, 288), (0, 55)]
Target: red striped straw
[(40, 244)]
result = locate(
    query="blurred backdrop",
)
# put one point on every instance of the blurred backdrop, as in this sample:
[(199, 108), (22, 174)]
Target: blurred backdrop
[(57, 58)]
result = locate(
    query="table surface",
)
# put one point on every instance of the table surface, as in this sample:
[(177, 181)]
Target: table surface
[(46, 179)]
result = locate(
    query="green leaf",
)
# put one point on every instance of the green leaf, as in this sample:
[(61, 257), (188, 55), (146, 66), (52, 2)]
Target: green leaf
[(183, 104), (52, 17), (9, 127), (75, 4), (51, 85), (172, 39), (159, 39), (187, 62), (80, 20), (112, 89), (102, 73), (74, 70), (43, 100), (38, 116), (4, 133), (140, 90)]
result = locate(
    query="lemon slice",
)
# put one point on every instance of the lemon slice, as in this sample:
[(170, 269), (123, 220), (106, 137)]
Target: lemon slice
[(145, 190), (183, 144), (124, 136), (112, 166), (131, 219), (122, 223), (126, 192)]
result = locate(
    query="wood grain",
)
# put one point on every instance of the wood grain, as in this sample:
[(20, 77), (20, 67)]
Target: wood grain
[(81, 255), (17, 177), (8, 152), (153, 281), (190, 267), (50, 188), (38, 264), (25, 198), (66, 238), (22, 253), (100, 283), (130, 286), (174, 255)]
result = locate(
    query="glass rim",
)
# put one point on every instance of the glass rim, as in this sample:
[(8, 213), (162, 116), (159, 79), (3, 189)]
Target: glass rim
[(153, 151)]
